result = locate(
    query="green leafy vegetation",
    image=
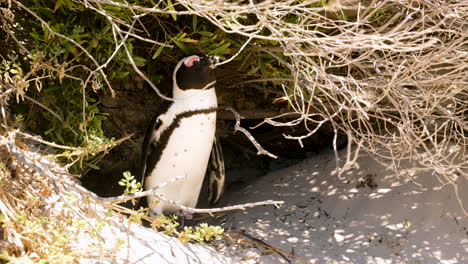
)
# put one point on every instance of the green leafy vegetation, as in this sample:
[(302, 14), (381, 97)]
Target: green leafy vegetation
[(130, 183), (201, 233)]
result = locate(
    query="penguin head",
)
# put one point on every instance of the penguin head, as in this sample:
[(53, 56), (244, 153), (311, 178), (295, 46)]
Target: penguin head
[(194, 73)]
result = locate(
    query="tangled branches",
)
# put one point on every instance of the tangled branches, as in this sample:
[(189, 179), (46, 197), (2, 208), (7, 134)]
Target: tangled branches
[(392, 75)]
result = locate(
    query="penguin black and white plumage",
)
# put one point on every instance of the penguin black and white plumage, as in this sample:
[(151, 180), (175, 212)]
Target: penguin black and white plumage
[(180, 140)]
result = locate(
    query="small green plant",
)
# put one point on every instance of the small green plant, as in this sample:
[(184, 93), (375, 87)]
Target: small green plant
[(202, 233), (130, 183), (168, 223), (11, 74)]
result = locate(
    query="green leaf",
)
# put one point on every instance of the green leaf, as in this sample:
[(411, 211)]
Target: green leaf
[(205, 33), (120, 75), (181, 36), (35, 35), (223, 49), (156, 78), (139, 61), (184, 48), (127, 174), (58, 4), (92, 166), (194, 22), (47, 35), (171, 7), (58, 134), (158, 52), (253, 70)]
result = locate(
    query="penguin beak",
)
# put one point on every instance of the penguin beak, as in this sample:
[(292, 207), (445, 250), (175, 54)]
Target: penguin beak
[(214, 60)]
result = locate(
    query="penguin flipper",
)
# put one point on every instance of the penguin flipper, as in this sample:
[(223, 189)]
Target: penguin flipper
[(146, 149), (216, 173)]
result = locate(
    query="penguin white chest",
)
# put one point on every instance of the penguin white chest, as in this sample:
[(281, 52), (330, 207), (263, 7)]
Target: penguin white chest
[(186, 154), (179, 142)]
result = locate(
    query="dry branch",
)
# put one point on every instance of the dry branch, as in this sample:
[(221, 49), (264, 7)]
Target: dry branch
[(237, 127)]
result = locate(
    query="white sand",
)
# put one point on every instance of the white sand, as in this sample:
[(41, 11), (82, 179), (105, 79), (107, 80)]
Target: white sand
[(328, 220)]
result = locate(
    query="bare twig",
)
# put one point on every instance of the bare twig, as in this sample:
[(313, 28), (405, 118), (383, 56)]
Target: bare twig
[(222, 209), (237, 53), (40, 140), (260, 149)]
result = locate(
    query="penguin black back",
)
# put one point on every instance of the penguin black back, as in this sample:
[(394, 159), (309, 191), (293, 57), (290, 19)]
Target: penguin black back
[(146, 150)]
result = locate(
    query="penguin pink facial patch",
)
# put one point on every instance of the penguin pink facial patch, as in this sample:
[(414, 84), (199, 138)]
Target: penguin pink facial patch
[(189, 62)]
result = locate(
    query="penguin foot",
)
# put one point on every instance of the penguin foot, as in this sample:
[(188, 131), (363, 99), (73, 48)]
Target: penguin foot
[(186, 219), (186, 215)]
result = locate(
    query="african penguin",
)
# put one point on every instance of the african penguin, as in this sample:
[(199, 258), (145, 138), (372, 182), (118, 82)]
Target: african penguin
[(180, 140)]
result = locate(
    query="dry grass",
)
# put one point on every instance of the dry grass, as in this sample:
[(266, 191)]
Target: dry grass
[(44, 218)]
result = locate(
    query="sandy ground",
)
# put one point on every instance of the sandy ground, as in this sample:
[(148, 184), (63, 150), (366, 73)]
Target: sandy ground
[(370, 215)]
